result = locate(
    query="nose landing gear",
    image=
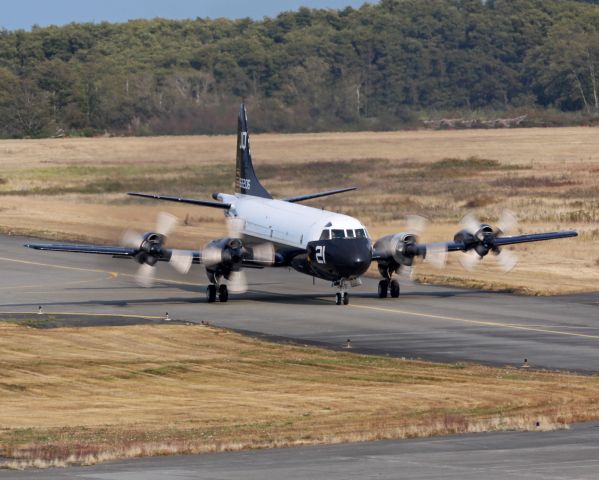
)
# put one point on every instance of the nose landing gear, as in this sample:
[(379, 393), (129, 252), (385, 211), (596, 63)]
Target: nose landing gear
[(341, 298)]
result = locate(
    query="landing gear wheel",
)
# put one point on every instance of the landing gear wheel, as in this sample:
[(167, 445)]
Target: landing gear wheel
[(345, 298), (338, 298), (394, 288), (223, 293), (383, 288), (211, 293)]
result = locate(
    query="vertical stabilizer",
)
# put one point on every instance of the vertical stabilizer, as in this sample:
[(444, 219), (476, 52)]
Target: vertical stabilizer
[(246, 181)]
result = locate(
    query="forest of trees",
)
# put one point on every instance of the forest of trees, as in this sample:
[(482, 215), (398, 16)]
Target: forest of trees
[(383, 65)]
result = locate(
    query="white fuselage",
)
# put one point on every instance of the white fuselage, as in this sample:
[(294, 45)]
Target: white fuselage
[(282, 222)]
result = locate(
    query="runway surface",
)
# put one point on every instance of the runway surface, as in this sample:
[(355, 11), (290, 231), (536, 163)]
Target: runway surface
[(436, 323), (566, 454)]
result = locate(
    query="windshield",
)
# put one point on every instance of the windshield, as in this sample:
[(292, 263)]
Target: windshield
[(337, 233), (343, 233)]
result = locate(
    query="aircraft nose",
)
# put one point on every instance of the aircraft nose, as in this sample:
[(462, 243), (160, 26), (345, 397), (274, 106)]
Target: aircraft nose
[(352, 258)]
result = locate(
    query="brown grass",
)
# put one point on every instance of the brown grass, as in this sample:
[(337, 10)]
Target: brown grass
[(74, 188), (83, 395)]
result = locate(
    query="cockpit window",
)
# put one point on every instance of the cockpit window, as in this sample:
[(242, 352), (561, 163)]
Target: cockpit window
[(325, 235), (350, 233), (360, 233), (338, 233)]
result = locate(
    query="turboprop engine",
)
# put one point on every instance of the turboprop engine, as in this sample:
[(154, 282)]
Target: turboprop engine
[(150, 249), (400, 248), (224, 258)]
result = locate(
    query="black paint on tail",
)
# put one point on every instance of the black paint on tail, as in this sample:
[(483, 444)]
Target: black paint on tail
[(246, 181)]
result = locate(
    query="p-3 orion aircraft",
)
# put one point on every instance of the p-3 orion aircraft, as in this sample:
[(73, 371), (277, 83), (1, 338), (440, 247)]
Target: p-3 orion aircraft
[(264, 231)]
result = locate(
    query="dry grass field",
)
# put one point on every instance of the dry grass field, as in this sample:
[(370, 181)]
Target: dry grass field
[(74, 189), (84, 395)]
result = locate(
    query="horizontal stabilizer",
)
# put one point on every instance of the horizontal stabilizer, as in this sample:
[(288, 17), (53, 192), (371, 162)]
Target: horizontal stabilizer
[(203, 203), (301, 198)]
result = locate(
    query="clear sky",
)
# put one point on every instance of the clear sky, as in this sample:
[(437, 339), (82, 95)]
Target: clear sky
[(15, 14)]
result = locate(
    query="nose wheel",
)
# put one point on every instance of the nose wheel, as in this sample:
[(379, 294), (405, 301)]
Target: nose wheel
[(341, 298)]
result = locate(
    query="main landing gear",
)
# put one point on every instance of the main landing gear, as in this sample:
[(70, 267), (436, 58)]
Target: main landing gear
[(213, 291), (388, 287)]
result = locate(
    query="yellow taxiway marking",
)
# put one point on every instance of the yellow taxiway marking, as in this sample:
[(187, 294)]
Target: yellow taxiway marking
[(36, 285), (476, 322), (83, 314), (92, 270)]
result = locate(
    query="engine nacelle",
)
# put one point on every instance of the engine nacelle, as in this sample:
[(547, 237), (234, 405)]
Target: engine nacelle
[(400, 246), (150, 248), (481, 241), (228, 250)]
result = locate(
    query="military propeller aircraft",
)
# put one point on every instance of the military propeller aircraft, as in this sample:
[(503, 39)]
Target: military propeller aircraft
[(268, 232)]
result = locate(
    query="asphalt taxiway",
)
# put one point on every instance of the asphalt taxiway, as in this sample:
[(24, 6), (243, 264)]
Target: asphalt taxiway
[(436, 323), (563, 454)]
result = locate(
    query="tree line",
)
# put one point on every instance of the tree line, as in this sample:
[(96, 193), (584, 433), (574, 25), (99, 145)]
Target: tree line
[(379, 66)]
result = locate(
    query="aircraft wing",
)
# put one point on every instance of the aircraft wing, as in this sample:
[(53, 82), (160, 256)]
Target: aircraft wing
[(126, 252), (387, 248), (97, 249), (513, 240), (115, 251)]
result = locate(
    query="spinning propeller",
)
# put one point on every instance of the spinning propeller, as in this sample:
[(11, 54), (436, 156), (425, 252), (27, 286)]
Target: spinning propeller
[(480, 238), (397, 252), (150, 249), (227, 255)]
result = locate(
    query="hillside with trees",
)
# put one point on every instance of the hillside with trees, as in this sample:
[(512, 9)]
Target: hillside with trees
[(385, 65)]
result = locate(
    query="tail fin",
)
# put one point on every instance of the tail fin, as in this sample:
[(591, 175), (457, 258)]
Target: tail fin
[(246, 181)]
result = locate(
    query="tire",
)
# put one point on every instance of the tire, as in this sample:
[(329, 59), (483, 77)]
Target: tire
[(383, 288), (211, 293), (223, 294), (394, 288), (345, 298), (338, 298)]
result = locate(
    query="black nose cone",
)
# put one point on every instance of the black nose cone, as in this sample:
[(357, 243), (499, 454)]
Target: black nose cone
[(351, 257)]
